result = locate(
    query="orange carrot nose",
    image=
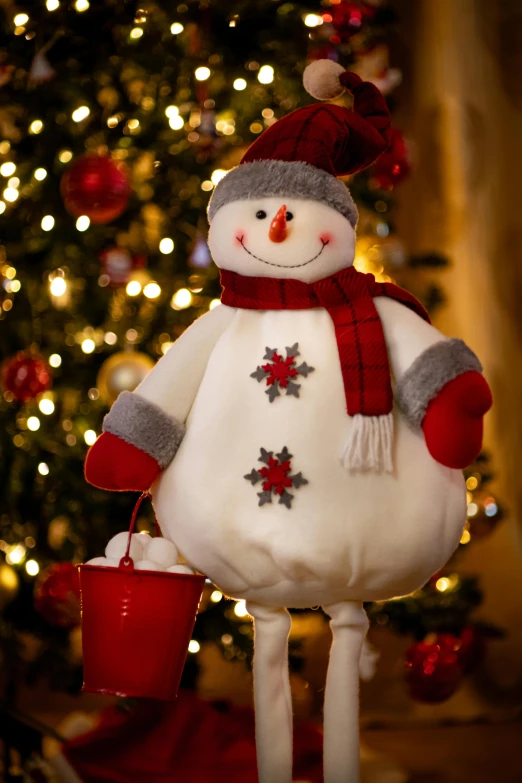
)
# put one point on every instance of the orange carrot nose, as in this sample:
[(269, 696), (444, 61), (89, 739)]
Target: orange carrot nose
[(277, 231)]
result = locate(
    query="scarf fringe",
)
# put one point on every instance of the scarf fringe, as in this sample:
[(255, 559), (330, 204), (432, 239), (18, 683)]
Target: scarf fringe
[(369, 444)]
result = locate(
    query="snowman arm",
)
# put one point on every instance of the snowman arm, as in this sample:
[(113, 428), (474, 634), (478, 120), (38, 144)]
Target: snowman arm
[(423, 360), (152, 418)]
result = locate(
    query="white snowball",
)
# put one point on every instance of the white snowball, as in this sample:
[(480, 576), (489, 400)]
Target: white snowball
[(118, 544), (148, 565), (180, 569), (103, 561), (162, 551)]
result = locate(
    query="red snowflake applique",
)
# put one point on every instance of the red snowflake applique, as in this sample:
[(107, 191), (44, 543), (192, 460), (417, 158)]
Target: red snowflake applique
[(280, 373), (276, 477)]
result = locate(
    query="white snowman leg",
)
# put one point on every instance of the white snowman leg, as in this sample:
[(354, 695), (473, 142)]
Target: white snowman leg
[(349, 625), (272, 698)]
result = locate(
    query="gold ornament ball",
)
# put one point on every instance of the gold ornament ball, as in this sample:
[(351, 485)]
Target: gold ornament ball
[(122, 372), (9, 585)]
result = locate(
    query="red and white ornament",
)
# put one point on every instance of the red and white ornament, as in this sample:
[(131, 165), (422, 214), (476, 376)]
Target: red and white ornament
[(96, 186), (119, 263), (57, 595)]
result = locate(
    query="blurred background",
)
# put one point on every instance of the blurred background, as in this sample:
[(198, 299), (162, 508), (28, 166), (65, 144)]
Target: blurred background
[(117, 120)]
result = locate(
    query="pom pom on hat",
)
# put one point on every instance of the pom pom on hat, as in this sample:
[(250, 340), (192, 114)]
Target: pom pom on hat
[(321, 80)]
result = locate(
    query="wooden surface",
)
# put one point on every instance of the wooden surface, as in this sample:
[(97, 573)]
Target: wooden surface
[(456, 754)]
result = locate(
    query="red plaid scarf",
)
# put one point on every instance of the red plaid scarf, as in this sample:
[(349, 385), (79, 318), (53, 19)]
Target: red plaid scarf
[(348, 297)]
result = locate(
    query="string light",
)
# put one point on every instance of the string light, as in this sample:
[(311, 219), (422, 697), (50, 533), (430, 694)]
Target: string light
[(81, 5), (176, 122), (90, 437), (240, 609), (166, 245), (46, 406), (133, 288), (266, 74), (80, 113), (55, 360), (240, 84), (313, 20), (36, 127), (32, 566), (214, 303), (176, 28), (466, 537), (16, 554), (152, 290), (83, 223), (33, 423), (7, 169), (47, 222), (20, 20), (88, 345), (40, 174), (216, 596), (172, 111), (2, 207), (136, 32), (202, 73), (207, 185), (10, 194), (194, 646), (181, 299), (43, 469), (217, 175), (110, 338), (13, 182), (52, 5), (65, 156), (14, 286), (57, 286)]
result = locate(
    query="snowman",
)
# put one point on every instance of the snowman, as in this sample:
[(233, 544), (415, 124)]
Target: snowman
[(304, 440)]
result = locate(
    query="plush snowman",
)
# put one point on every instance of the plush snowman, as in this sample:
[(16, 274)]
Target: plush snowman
[(304, 439)]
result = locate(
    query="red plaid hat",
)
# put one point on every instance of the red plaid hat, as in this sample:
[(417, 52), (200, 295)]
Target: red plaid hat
[(305, 152)]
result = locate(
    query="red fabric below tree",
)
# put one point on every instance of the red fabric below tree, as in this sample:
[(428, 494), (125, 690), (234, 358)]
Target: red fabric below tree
[(348, 297)]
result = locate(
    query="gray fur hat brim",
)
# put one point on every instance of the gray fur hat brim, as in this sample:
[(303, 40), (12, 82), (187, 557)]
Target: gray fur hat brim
[(264, 178)]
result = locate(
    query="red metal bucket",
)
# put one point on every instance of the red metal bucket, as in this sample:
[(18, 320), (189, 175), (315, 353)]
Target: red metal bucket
[(136, 627)]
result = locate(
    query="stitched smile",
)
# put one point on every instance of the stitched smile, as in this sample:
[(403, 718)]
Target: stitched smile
[(282, 266)]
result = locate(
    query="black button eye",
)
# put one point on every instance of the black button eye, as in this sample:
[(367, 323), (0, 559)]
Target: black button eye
[(289, 216), (261, 214)]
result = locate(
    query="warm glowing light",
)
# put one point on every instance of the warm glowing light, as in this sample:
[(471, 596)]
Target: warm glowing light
[(81, 113), (216, 596), (166, 346), (240, 84), (47, 223), (166, 245), (7, 169), (13, 182), (256, 127), (194, 646), (58, 286), (20, 19), (471, 483), (55, 360), (81, 5), (176, 122), (202, 73), (16, 554), (207, 185), (40, 174), (176, 28), (152, 290), (465, 537), (10, 272), (110, 338), (46, 406), (133, 124), (2, 207), (43, 469), (83, 223), (65, 156), (112, 122), (491, 509), (89, 437), (14, 286), (217, 175), (52, 5), (136, 32), (214, 303), (133, 288), (266, 74), (36, 126), (88, 345), (442, 584), (472, 509), (32, 566), (313, 20), (240, 609), (172, 111), (10, 194), (181, 299), (33, 423)]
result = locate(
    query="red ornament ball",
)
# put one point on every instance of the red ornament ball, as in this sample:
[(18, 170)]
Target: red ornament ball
[(434, 669), (57, 595), (118, 263), (393, 166), (97, 187), (25, 376), (348, 18)]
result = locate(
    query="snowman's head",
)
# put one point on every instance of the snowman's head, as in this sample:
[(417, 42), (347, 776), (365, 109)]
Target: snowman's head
[(282, 230)]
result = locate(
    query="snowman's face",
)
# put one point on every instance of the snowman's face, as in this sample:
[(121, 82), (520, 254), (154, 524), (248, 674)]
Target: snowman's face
[(281, 237)]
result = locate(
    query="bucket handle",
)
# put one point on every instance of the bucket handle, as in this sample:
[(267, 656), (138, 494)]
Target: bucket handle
[(126, 561)]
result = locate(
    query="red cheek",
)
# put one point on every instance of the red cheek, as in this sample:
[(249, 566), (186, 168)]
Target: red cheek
[(326, 238), (240, 237)]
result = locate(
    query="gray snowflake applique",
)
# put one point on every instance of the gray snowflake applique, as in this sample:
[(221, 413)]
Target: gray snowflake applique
[(281, 373), (276, 477)]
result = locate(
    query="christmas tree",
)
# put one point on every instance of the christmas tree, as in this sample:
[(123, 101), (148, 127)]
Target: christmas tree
[(117, 120)]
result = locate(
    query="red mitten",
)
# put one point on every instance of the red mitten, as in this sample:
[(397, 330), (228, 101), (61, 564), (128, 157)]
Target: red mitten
[(114, 464), (454, 420)]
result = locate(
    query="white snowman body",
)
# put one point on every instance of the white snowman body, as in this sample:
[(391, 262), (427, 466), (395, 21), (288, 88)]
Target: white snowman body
[(345, 535)]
